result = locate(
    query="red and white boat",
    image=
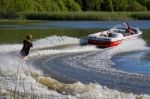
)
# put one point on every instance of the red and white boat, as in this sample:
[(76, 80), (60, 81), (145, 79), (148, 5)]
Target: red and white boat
[(113, 36)]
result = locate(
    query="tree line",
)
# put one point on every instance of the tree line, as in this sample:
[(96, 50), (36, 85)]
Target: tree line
[(73, 5), (114, 5)]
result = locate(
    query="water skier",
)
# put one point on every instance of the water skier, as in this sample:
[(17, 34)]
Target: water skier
[(27, 44)]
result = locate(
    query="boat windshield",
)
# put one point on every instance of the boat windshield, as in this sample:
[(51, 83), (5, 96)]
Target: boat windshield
[(120, 26)]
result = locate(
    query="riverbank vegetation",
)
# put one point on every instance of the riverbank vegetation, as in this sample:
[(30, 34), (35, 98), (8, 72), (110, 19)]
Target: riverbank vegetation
[(74, 5), (101, 16), (75, 9), (87, 16)]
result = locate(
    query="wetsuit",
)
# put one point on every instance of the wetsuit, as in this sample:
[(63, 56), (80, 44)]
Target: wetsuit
[(26, 47)]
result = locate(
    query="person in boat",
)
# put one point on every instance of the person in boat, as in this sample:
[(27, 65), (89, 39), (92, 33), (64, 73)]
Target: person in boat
[(103, 34), (27, 44), (110, 34), (130, 31)]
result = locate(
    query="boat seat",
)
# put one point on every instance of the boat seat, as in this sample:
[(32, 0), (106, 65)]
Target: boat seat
[(115, 35)]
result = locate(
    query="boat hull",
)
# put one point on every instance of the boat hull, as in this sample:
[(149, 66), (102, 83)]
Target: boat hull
[(104, 44)]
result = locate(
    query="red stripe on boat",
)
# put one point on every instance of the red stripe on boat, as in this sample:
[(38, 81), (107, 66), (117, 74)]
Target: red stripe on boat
[(104, 43)]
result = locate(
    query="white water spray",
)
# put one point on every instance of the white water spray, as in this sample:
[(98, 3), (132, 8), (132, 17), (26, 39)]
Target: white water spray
[(9, 61)]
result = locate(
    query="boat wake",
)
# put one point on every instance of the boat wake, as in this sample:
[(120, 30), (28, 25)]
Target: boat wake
[(85, 66)]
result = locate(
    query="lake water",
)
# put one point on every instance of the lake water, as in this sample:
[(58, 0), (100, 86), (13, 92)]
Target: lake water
[(135, 62), (58, 53), (74, 24)]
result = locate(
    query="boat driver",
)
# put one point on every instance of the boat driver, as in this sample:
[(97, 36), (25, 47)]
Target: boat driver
[(130, 31)]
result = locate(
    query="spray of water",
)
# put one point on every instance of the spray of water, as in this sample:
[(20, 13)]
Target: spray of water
[(32, 81)]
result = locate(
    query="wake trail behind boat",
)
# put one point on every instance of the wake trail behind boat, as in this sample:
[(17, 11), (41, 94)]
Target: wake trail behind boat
[(73, 61), (97, 66), (9, 63)]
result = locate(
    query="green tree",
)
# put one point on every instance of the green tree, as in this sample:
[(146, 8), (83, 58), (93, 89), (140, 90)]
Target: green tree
[(24, 5), (61, 5), (107, 5), (92, 5), (120, 5), (80, 2), (148, 5), (3, 5), (136, 6), (72, 5), (142, 2)]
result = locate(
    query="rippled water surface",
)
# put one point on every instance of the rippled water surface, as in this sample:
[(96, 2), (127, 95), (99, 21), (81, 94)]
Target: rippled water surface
[(61, 55)]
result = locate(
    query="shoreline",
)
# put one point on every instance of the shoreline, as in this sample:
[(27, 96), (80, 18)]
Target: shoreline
[(78, 16), (18, 20)]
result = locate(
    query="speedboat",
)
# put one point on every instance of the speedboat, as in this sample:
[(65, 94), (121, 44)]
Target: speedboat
[(114, 36)]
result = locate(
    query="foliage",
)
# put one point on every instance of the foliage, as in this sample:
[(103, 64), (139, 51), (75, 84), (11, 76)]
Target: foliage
[(39, 5), (87, 16), (11, 8), (113, 5), (141, 15), (136, 6), (73, 5), (148, 5), (120, 5), (107, 5)]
